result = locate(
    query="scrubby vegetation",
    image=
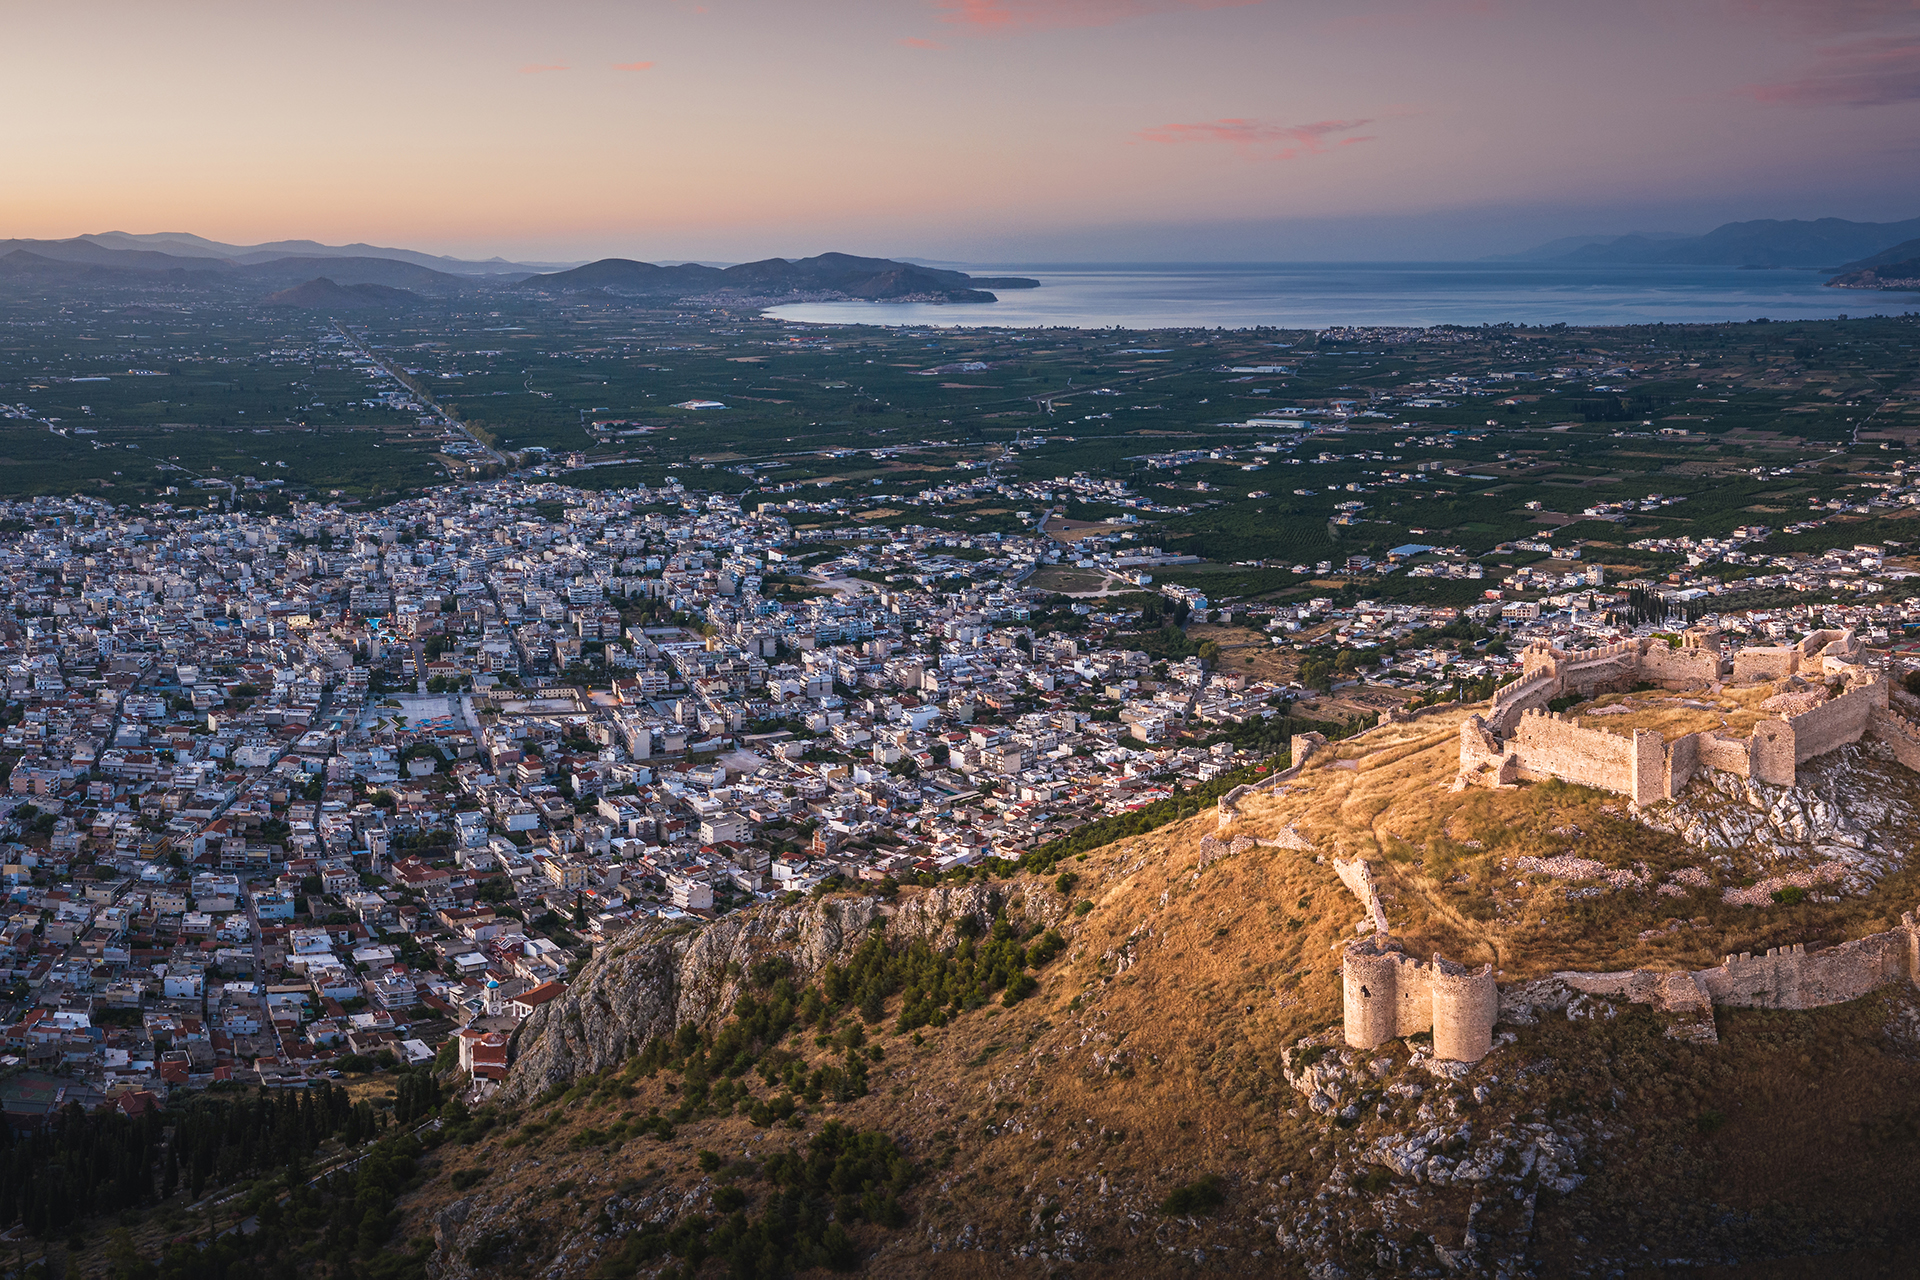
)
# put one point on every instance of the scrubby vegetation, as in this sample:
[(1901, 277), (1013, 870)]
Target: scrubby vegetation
[(807, 1197)]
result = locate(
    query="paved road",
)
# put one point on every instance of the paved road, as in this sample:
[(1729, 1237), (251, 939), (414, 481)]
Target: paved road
[(393, 371)]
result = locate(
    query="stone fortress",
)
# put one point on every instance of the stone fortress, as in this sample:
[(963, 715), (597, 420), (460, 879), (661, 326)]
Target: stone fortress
[(1824, 696), (1832, 698)]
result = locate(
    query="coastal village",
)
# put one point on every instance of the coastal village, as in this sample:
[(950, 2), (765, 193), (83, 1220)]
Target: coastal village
[(305, 792)]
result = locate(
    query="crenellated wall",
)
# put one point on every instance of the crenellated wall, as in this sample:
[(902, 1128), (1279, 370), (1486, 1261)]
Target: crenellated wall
[(1511, 701), (1789, 977), (1611, 668)]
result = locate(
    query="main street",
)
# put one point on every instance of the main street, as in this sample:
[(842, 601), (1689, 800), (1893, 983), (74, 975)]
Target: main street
[(399, 375)]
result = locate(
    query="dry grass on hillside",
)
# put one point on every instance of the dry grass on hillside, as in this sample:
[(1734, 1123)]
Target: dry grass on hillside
[(1148, 1057)]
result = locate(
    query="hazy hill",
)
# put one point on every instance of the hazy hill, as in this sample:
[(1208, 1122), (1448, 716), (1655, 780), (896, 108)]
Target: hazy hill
[(1764, 243), (356, 271), (26, 264), (876, 279), (322, 294), (84, 250)]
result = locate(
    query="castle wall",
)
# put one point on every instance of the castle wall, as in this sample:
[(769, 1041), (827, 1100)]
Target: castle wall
[(1300, 747), (1387, 995), (1766, 662), (1827, 644), (1900, 734), (1358, 877), (1511, 701), (1684, 666), (1612, 669), (1549, 747), (1395, 715), (1681, 761), (1837, 723), (1791, 978), (1787, 977), (1728, 755), (1773, 753)]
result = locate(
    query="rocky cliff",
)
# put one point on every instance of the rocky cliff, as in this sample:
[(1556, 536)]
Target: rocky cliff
[(666, 976)]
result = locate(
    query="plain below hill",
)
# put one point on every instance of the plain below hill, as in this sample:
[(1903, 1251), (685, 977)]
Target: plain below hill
[(829, 275)]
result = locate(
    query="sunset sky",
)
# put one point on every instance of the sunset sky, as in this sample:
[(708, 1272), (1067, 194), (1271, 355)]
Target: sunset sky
[(977, 130)]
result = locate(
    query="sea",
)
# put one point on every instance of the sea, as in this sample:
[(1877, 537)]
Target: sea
[(1319, 295)]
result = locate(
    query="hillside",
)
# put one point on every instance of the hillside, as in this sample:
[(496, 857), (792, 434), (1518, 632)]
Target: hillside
[(1895, 268), (322, 294), (349, 272), (830, 275), (1173, 1092)]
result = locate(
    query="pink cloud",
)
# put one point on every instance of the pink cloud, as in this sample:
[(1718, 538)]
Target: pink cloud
[(1032, 15), (1875, 72), (1261, 141), (633, 66), (537, 68), (915, 42)]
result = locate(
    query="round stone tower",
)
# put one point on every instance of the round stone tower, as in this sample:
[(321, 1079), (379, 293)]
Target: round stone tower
[(1370, 979), (1465, 1003)]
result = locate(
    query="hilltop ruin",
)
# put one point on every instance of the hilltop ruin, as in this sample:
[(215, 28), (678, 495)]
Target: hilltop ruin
[(1825, 694)]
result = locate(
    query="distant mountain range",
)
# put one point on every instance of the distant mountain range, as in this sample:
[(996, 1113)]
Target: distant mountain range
[(182, 245), (1824, 242), (302, 273)]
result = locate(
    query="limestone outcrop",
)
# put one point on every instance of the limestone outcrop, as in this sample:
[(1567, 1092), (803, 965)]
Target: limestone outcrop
[(652, 984), (1851, 808)]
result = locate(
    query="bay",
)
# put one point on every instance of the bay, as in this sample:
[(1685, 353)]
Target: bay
[(1318, 295)]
